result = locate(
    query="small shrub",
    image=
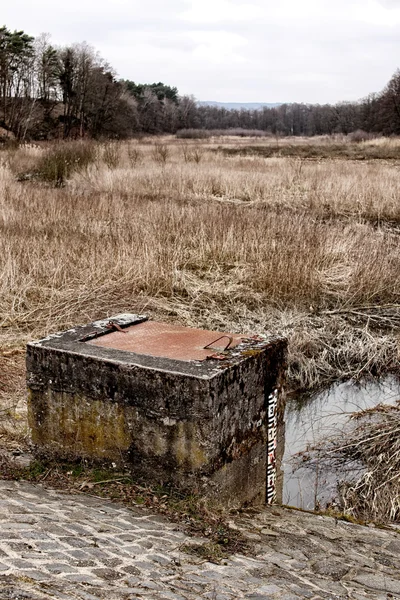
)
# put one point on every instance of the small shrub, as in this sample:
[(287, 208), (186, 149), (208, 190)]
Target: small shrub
[(359, 136), (160, 153), (60, 161), (36, 469), (192, 153), (112, 154), (8, 143), (240, 132), (139, 136), (198, 134), (192, 134), (134, 156)]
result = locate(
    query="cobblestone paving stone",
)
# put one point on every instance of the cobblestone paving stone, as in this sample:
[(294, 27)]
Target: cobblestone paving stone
[(63, 546)]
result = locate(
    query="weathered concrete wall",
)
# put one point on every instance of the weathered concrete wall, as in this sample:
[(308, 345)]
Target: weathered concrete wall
[(198, 425)]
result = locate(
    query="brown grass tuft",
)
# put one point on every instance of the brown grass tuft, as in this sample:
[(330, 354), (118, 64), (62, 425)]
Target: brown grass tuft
[(367, 454)]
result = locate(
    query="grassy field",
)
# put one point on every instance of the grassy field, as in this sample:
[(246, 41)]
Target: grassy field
[(208, 233)]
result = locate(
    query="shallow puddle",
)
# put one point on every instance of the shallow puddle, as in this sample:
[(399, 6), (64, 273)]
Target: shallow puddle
[(322, 416)]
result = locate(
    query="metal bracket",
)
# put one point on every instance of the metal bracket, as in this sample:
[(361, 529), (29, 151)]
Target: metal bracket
[(114, 325)]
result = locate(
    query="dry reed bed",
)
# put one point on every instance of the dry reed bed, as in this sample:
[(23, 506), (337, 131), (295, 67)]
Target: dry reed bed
[(367, 191), (241, 244), (366, 459)]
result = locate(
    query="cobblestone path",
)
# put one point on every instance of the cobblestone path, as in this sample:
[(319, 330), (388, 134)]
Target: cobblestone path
[(62, 546)]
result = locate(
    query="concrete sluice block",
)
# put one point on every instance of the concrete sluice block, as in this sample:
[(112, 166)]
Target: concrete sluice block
[(200, 410)]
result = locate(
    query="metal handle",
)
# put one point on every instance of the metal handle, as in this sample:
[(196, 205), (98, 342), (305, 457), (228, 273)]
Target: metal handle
[(220, 338)]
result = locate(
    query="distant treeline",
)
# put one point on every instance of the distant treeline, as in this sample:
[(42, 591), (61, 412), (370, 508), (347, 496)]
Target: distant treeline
[(67, 92)]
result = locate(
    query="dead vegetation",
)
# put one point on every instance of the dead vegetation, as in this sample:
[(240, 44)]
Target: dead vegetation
[(375, 443), (356, 146), (184, 232), (367, 456)]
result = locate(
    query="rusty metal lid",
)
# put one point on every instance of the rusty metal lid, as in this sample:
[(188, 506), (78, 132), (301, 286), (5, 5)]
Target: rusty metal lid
[(166, 340)]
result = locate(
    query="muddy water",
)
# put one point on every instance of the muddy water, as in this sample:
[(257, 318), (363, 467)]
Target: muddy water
[(310, 420)]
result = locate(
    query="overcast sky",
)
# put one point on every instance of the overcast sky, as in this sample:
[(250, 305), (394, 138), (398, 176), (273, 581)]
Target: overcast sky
[(232, 50)]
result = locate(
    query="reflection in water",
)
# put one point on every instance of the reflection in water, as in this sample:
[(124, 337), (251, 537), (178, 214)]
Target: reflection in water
[(309, 422)]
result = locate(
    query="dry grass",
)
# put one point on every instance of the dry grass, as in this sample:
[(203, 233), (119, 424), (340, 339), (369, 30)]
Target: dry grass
[(375, 443), (366, 458), (337, 147), (243, 243)]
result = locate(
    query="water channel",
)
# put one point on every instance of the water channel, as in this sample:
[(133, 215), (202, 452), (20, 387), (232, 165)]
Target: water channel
[(308, 421)]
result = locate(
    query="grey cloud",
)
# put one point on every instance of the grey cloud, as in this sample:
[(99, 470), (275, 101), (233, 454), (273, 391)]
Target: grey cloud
[(390, 3), (311, 52)]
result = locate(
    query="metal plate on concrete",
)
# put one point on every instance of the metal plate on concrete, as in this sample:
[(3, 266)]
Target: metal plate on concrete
[(167, 340)]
